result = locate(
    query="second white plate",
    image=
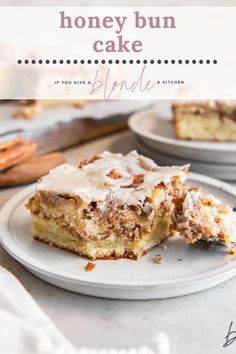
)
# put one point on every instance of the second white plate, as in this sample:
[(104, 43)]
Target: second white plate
[(224, 171), (157, 132)]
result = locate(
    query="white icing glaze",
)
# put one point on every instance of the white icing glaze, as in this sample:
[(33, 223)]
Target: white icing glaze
[(92, 183)]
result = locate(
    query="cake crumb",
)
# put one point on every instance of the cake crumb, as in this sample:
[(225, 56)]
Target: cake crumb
[(179, 259), (107, 184), (90, 266), (88, 161), (138, 179), (27, 112), (114, 174), (232, 251), (157, 259)]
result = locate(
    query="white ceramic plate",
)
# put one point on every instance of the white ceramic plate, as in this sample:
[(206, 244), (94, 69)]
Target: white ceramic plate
[(223, 171), (157, 131), (202, 266)]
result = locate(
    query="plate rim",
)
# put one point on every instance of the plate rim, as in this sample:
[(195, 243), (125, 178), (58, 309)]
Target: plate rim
[(199, 145), (7, 242), (141, 140)]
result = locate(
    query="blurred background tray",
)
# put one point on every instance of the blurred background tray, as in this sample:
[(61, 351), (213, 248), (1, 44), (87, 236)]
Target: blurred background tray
[(60, 127)]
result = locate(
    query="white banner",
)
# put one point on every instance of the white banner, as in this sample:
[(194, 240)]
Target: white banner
[(117, 53)]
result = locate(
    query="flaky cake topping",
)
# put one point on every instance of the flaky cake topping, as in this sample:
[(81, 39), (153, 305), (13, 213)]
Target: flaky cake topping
[(125, 178), (208, 213)]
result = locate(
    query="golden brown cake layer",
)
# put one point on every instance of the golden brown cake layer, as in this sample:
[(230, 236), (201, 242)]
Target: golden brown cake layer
[(53, 233), (122, 231), (209, 121)]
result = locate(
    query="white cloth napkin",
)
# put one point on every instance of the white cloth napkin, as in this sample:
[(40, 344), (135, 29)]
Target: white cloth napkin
[(25, 329)]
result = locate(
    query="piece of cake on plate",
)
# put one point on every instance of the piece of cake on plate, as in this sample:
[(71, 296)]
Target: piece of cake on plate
[(205, 120), (109, 207), (121, 206), (203, 217), (28, 109)]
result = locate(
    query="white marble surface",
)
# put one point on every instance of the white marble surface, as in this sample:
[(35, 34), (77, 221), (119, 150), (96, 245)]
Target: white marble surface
[(195, 324)]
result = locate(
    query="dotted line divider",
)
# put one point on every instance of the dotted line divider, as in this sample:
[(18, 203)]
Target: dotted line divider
[(117, 61)]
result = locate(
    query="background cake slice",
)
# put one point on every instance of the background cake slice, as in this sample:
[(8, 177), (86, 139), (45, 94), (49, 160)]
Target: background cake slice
[(205, 120), (28, 109), (109, 207)]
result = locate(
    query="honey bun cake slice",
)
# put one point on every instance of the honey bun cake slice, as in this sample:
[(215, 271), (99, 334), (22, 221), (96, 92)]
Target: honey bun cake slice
[(121, 206), (205, 120), (112, 206)]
